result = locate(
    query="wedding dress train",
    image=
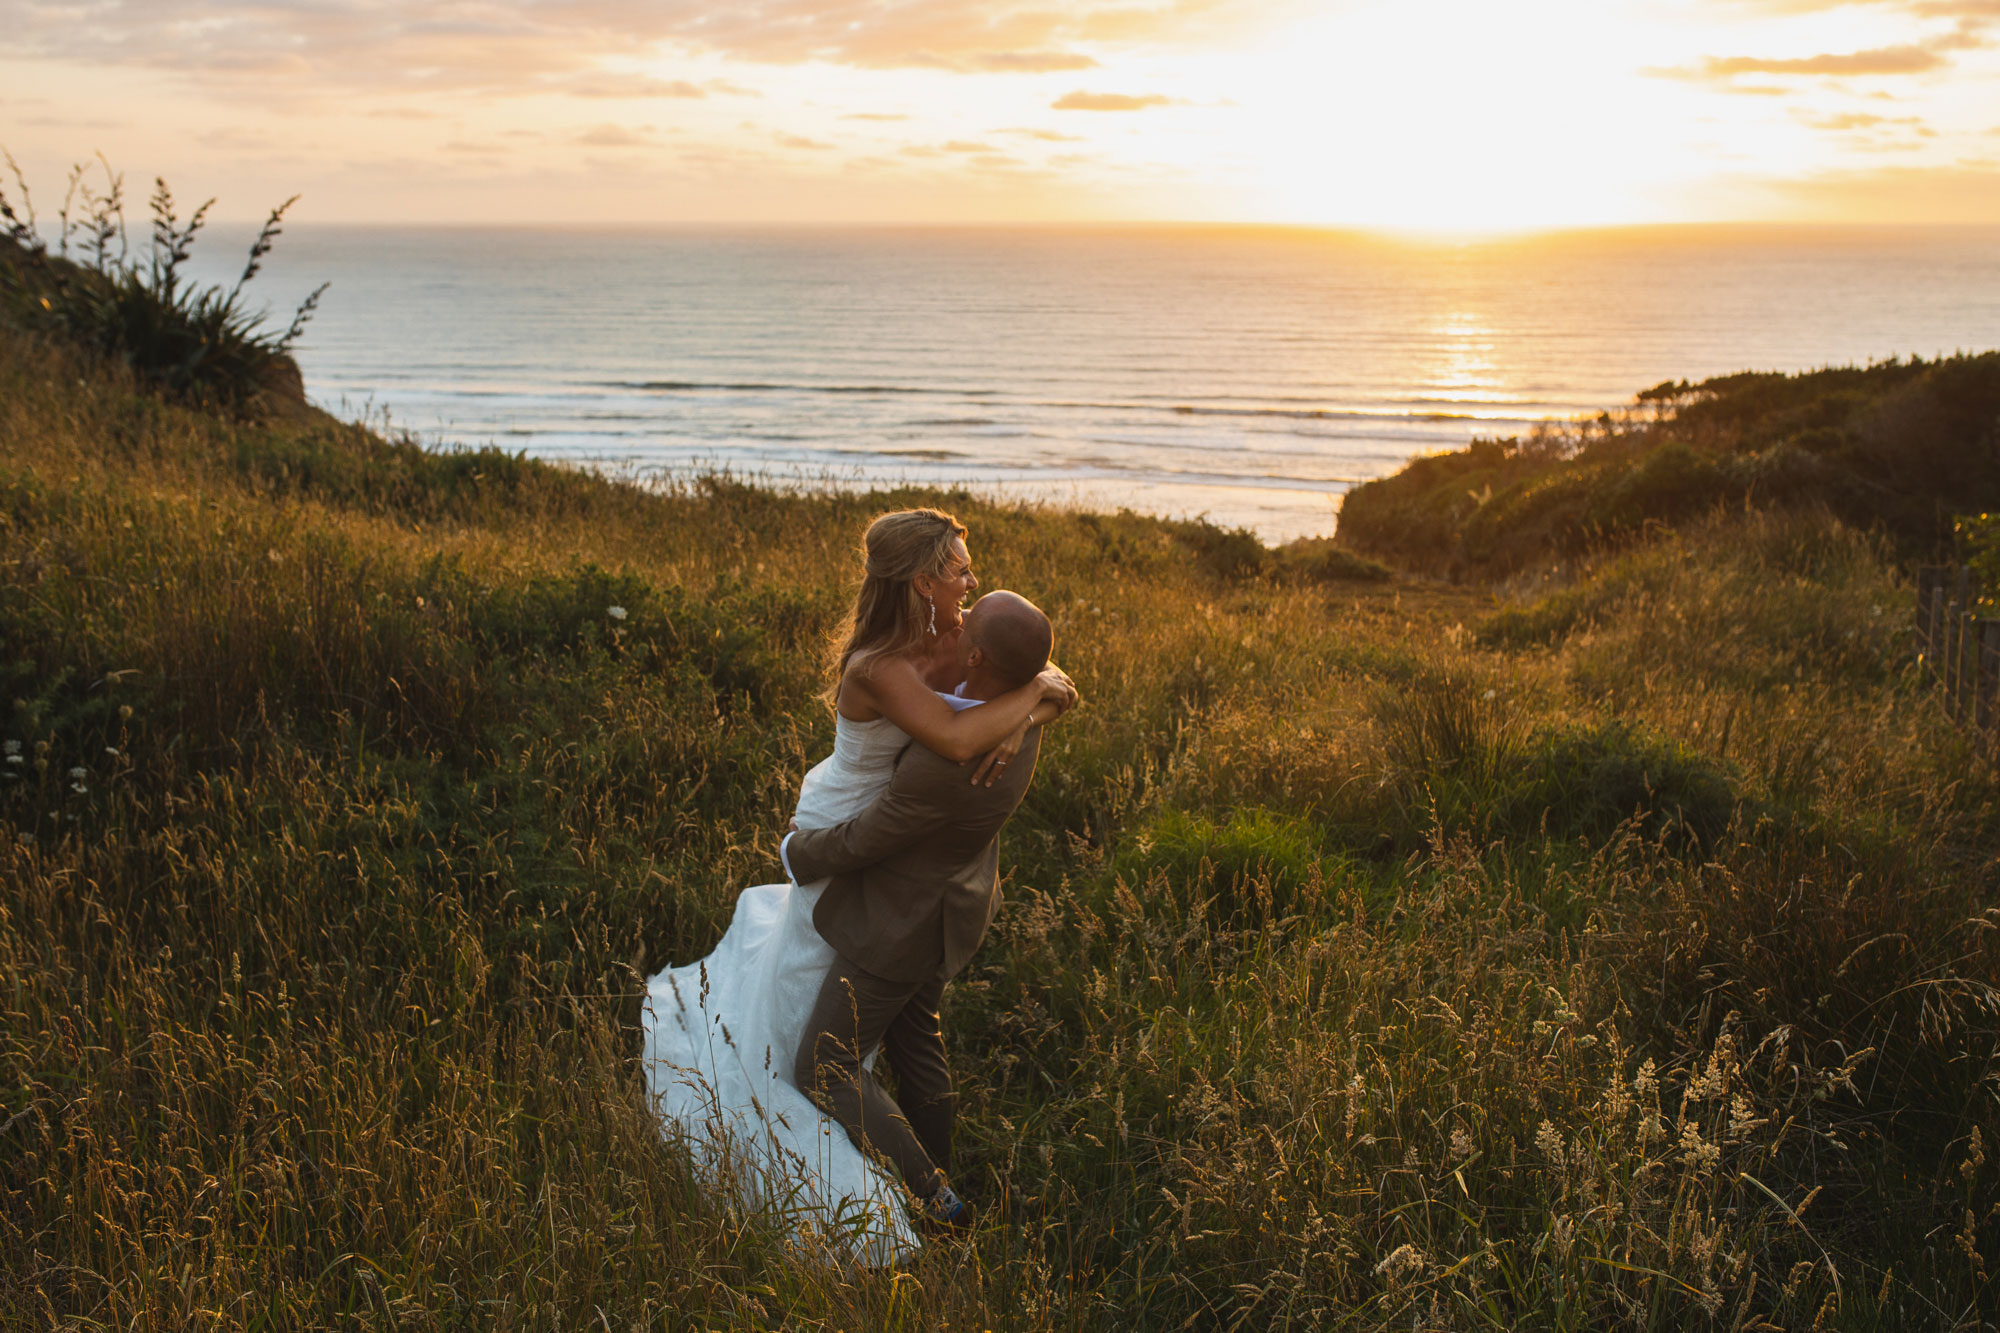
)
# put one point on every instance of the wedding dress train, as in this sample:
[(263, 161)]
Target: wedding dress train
[(721, 1036)]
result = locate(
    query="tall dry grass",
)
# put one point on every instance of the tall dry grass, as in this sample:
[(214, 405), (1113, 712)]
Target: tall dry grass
[(1376, 954)]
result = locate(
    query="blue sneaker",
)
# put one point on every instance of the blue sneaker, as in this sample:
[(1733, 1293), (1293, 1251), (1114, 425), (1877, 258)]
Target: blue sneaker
[(944, 1211)]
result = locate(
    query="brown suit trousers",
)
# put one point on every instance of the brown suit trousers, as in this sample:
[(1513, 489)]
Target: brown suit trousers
[(856, 1012), (915, 883)]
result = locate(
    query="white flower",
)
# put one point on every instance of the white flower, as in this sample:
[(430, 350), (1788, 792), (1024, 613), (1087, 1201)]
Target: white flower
[(27, 838), (12, 747), (615, 612), (1488, 696), (15, 759), (79, 772), (79, 789), (111, 749)]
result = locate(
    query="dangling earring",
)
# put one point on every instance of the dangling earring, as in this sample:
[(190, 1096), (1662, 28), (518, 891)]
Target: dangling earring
[(933, 602)]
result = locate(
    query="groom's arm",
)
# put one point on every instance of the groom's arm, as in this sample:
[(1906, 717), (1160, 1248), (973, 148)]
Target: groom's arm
[(921, 798)]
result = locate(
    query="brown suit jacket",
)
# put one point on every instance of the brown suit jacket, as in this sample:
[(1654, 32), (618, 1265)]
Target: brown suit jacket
[(915, 877)]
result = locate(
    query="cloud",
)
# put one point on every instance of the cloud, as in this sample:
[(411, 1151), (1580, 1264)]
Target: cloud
[(1909, 59), (615, 136), (1923, 56), (71, 123), (401, 113), (1895, 194), (1046, 136), (800, 141), (633, 86), (500, 47), (875, 115), (1946, 9), (965, 146), (1852, 120), (1082, 101), (1032, 62), (233, 139)]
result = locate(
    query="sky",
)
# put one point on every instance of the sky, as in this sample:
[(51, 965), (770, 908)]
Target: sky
[(1446, 116)]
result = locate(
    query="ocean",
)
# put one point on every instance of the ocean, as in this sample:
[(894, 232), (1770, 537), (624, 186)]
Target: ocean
[(1251, 375)]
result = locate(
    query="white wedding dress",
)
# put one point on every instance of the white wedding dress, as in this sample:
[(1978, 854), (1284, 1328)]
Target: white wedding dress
[(721, 1036)]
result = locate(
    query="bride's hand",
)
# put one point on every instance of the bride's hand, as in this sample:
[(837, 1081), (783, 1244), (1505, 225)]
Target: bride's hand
[(994, 765), (1057, 687)]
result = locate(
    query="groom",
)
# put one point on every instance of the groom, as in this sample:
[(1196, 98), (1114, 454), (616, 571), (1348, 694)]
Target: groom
[(914, 886)]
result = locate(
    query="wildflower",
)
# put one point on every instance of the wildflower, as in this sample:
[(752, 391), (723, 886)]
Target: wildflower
[(1696, 1151), (1550, 1142), (12, 748), (615, 612), (111, 749), (25, 839), (1650, 1127), (1401, 1258), (1490, 695), (1461, 1143), (79, 772)]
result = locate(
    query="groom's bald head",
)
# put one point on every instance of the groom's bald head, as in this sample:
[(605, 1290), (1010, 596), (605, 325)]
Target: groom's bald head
[(1012, 637)]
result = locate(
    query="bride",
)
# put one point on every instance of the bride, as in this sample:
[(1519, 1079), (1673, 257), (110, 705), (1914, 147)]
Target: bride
[(721, 1033)]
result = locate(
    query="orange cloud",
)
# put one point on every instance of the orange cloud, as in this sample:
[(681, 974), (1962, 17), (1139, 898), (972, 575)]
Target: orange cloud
[(1883, 60), (1082, 101), (499, 46), (615, 136), (633, 86), (1895, 194)]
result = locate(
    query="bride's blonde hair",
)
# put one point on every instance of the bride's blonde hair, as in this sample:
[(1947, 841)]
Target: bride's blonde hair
[(890, 616)]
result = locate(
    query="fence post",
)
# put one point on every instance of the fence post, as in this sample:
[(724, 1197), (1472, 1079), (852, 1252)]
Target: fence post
[(1989, 672), (1963, 636), (1929, 578), (1934, 642)]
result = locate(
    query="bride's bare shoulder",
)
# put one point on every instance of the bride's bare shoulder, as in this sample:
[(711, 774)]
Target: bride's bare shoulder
[(864, 685)]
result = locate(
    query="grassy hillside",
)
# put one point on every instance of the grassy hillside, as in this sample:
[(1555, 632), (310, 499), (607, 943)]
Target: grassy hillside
[(1901, 447), (1375, 956)]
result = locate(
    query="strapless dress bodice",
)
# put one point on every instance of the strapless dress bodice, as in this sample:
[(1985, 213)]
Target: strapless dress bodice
[(844, 783)]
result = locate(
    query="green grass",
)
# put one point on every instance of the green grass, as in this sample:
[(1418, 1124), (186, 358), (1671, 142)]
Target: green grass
[(1377, 954), (1898, 447)]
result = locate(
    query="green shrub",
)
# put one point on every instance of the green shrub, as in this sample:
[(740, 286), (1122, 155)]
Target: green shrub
[(1322, 560), (198, 344), (1587, 782), (1979, 548), (1248, 867), (1899, 446)]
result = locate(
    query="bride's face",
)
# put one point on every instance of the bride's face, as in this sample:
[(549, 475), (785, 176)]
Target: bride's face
[(947, 591)]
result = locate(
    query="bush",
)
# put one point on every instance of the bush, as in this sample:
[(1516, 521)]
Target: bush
[(1898, 446), (197, 344), (1979, 548), (1248, 867), (1322, 560), (1588, 782)]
